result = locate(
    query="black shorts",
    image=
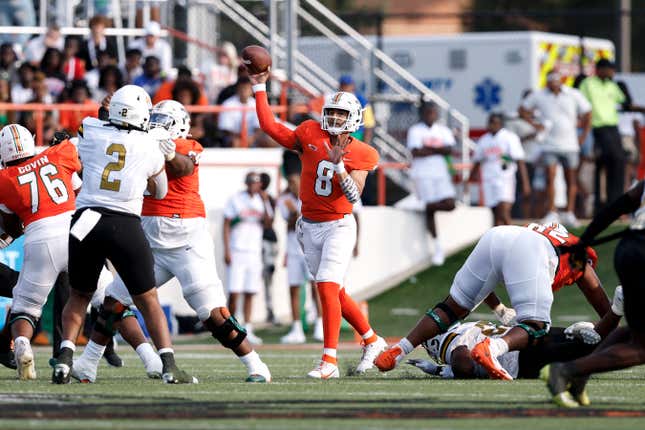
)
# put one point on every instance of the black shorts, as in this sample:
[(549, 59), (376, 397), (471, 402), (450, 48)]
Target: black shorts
[(550, 348), (8, 280), (119, 238), (629, 261)]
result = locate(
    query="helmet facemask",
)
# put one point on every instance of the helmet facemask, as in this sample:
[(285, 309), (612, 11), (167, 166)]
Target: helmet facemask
[(335, 121), (342, 113)]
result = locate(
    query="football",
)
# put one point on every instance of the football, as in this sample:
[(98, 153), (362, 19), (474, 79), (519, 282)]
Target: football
[(256, 59)]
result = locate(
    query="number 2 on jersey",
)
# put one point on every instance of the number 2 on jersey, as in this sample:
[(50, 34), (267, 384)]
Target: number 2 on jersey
[(114, 166), (324, 175), (55, 187)]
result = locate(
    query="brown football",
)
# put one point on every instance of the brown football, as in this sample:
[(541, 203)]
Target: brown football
[(256, 59)]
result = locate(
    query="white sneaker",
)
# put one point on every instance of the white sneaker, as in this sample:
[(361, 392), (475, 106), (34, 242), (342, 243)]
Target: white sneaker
[(260, 374), (294, 337), (84, 370), (319, 334), (25, 360), (253, 339), (154, 367), (324, 370), (438, 258), (551, 217), (570, 220), (370, 352)]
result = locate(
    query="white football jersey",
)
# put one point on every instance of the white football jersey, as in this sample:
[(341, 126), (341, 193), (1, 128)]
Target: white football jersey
[(116, 166), (470, 334)]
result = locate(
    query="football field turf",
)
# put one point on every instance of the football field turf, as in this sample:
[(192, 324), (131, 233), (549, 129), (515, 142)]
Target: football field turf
[(402, 399)]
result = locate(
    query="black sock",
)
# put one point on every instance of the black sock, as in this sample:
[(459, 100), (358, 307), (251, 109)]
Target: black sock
[(168, 361)]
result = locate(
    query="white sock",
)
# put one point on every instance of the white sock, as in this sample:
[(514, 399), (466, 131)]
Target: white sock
[(406, 346), (249, 328), (21, 339), (297, 326), (437, 246), (498, 346), (330, 352), (251, 360), (165, 350), (94, 351), (68, 344), (146, 353), (369, 333)]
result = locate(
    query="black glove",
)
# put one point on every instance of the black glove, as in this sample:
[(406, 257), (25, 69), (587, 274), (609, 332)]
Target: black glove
[(59, 136), (578, 256)]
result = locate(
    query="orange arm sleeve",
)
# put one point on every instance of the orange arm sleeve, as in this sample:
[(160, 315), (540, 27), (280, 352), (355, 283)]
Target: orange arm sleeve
[(277, 131)]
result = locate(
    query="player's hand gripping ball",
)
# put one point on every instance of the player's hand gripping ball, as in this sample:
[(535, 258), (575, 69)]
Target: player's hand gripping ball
[(256, 59)]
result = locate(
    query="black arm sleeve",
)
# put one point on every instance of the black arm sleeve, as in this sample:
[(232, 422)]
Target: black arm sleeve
[(103, 114), (625, 204)]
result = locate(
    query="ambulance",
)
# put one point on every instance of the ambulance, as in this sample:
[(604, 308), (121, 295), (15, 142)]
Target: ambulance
[(475, 72)]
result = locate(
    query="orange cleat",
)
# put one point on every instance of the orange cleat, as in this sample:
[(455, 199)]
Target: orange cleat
[(388, 359), (482, 355)]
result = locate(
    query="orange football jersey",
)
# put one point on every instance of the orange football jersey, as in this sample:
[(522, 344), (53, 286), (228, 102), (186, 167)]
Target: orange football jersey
[(183, 199), (320, 192), (565, 274), (41, 186)]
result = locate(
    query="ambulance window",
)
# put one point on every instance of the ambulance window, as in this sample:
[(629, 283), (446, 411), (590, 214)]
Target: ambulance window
[(457, 59)]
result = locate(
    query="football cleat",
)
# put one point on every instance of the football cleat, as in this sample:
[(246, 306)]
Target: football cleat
[(370, 352), (84, 371), (154, 367), (260, 374), (177, 376), (111, 356), (482, 355), (8, 359), (61, 374), (25, 361), (390, 358), (253, 339), (324, 370), (557, 383), (293, 338)]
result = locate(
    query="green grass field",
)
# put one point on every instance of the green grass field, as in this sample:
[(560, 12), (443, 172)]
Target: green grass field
[(402, 399)]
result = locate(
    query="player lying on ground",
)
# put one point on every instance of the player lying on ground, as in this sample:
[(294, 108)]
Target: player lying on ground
[(37, 197), (450, 351), (120, 161), (334, 169), (625, 347), (181, 246), (527, 261)]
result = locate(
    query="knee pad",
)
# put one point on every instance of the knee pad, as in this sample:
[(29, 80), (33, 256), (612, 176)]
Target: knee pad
[(32, 320), (452, 317), (223, 332), (106, 319), (534, 330)]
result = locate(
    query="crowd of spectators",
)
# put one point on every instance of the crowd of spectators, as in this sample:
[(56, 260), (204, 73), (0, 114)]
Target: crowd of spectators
[(54, 68)]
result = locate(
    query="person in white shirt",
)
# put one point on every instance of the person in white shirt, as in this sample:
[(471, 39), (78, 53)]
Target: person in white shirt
[(431, 144), (498, 156), (230, 121), (245, 216), (36, 47), (563, 108), (629, 124), (152, 45)]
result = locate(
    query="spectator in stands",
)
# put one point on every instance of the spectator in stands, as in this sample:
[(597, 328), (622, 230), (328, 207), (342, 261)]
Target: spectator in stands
[(6, 117), (36, 47), (231, 118), (97, 42), (499, 156), (73, 65), (52, 67), (18, 13), (365, 133), (629, 124), (204, 131), (151, 78), (561, 107), (79, 94), (110, 80), (605, 97), (41, 95), (230, 90), (151, 45), (9, 61), (132, 67), (93, 76), (21, 91), (431, 144), (222, 73), (165, 91)]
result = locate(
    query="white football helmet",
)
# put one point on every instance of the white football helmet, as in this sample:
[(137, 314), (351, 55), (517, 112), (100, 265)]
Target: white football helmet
[(342, 101), (16, 142), (172, 116), (130, 106)]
